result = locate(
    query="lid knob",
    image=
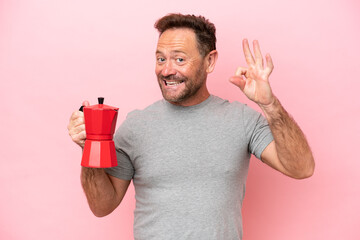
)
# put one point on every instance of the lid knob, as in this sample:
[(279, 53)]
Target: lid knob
[(101, 100)]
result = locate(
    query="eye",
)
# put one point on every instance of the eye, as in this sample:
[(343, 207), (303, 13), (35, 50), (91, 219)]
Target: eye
[(160, 60), (179, 60)]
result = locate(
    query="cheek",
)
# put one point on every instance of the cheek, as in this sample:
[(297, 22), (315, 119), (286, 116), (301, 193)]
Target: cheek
[(157, 69), (189, 72), (192, 68)]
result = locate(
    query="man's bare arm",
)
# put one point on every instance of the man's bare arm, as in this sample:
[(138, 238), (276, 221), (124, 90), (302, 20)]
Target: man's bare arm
[(103, 192), (290, 153)]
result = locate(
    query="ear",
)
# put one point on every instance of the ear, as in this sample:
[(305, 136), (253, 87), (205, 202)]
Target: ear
[(211, 58)]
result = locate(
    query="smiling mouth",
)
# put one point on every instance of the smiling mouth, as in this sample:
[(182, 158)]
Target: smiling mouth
[(172, 83)]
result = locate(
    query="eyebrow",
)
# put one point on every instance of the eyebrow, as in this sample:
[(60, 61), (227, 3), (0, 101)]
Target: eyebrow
[(175, 51)]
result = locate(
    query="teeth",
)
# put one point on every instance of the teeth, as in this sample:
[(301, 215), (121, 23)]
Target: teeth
[(173, 83)]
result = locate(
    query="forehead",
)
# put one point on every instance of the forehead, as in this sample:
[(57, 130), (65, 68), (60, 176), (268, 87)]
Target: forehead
[(177, 39)]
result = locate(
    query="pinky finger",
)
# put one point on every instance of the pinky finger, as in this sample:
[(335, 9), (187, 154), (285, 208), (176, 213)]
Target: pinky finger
[(269, 64)]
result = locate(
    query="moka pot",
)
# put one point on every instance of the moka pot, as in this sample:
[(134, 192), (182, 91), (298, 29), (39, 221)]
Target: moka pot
[(99, 150)]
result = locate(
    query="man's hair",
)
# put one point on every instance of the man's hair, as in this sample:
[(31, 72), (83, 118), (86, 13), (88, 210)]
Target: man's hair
[(203, 28)]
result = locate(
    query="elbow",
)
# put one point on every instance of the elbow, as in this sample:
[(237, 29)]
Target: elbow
[(307, 171), (100, 215), (101, 211), (303, 175)]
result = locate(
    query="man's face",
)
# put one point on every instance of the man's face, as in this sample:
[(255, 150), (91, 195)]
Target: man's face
[(180, 68)]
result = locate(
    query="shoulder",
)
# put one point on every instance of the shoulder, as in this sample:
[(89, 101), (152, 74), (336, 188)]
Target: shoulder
[(146, 112), (236, 112), (242, 108), (232, 108), (140, 116), (138, 120)]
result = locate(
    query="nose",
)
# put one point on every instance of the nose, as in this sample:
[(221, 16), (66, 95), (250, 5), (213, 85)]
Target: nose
[(168, 69)]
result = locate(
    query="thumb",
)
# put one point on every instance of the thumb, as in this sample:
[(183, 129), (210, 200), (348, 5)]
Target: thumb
[(238, 81), (85, 103)]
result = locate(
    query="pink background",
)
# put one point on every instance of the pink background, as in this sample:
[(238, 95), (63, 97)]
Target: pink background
[(55, 54)]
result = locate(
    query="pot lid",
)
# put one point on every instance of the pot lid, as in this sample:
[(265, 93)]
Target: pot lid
[(101, 106)]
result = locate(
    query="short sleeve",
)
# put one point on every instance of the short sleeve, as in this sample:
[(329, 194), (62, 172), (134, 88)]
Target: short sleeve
[(257, 130), (124, 147)]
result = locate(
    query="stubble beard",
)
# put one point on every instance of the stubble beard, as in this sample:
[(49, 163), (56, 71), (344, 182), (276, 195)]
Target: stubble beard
[(192, 86)]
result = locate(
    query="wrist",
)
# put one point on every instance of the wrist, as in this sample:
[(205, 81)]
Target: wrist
[(274, 103), (272, 111)]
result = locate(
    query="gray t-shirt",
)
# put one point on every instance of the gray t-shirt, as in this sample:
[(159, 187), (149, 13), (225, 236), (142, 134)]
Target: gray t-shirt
[(189, 167)]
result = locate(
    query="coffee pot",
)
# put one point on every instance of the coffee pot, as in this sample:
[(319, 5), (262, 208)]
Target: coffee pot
[(100, 121)]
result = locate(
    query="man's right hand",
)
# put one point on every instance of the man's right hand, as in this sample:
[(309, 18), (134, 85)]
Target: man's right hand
[(103, 192), (76, 127)]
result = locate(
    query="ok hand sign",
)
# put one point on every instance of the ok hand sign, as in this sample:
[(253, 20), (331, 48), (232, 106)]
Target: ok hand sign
[(254, 80)]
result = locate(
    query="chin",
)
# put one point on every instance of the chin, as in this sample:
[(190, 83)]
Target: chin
[(173, 99)]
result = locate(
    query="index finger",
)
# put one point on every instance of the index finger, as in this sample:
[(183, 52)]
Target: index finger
[(76, 115), (77, 118), (248, 56)]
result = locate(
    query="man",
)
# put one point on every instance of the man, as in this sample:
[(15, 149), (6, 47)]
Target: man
[(188, 155)]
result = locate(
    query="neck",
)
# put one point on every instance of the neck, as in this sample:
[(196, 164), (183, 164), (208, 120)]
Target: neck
[(199, 97)]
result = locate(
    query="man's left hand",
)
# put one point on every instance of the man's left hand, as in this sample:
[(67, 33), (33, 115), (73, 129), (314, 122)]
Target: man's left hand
[(254, 80)]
